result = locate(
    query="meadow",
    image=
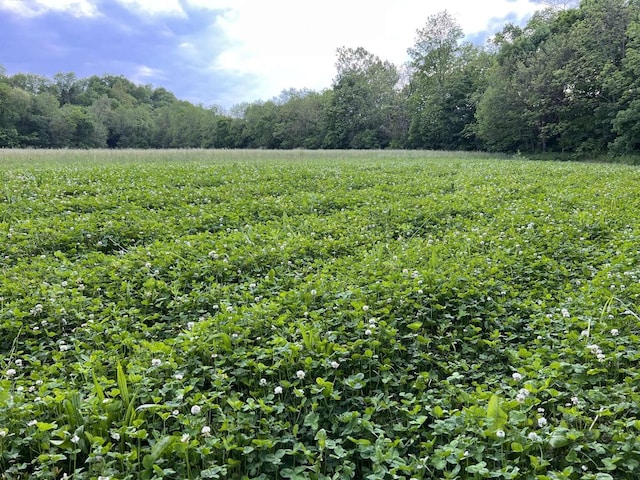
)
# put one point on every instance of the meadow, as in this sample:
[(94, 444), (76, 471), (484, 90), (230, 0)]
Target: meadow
[(317, 315)]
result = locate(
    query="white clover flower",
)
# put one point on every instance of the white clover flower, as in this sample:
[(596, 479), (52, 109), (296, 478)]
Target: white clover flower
[(11, 372), (365, 307), (156, 362), (184, 438), (206, 431), (263, 381), (195, 410), (190, 325), (178, 376), (277, 390), (300, 374), (601, 357), (3, 433), (534, 437), (75, 438), (367, 332), (584, 333), (19, 362), (104, 477), (593, 348), (540, 410), (372, 321), (32, 423), (334, 364), (565, 313), (615, 332), (542, 422), (500, 433), (574, 400), (516, 376), (313, 292), (115, 436)]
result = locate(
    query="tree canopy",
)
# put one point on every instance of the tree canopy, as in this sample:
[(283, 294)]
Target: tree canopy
[(567, 81)]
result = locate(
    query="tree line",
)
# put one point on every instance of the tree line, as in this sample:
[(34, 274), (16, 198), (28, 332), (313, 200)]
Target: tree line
[(568, 81)]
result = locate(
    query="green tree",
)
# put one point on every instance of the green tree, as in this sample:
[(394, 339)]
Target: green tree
[(260, 119), (43, 119), (442, 93), (626, 124), (360, 114), (557, 84), (15, 104), (301, 120), (67, 87), (32, 83)]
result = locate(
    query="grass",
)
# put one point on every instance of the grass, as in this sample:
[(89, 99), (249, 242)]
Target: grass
[(222, 314)]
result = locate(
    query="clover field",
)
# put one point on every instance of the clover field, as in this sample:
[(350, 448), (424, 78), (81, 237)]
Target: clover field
[(320, 315)]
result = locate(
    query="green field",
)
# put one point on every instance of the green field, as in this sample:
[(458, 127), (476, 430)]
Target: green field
[(321, 315)]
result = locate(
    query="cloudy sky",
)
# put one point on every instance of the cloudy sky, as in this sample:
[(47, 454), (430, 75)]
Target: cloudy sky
[(223, 52)]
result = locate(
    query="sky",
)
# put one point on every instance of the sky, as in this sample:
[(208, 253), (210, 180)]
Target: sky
[(225, 52)]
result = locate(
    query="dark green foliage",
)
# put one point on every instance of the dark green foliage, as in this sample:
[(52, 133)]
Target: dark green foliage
[(324, 315), (564, 83)]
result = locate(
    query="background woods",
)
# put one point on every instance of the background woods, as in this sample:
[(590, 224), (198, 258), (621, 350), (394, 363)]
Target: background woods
[(567, 81)]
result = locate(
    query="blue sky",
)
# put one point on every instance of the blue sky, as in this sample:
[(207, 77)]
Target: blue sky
[(223, 52)]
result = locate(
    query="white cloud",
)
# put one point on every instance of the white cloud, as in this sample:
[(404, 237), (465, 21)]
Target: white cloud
[(175, 7), (289, 43), (154, 7), (144, 73), (89, 8), (265, 46), (213, 4), (32, 8)]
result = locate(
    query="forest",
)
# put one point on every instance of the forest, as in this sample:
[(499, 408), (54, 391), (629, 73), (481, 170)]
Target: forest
[(566, 82)]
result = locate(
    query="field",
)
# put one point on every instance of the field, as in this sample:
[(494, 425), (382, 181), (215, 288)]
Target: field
[(324, 315)]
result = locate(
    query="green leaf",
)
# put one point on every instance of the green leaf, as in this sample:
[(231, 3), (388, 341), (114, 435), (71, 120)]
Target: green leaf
[(496, 413), (360, 441), (121, 379), (311, 420), (321, 438), (43, 427), (516, 447), (479, 468), (603, 476), (559, 438), (161, 446)]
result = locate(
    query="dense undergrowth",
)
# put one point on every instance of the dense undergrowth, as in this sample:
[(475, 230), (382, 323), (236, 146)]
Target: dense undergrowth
[(292, 315)]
